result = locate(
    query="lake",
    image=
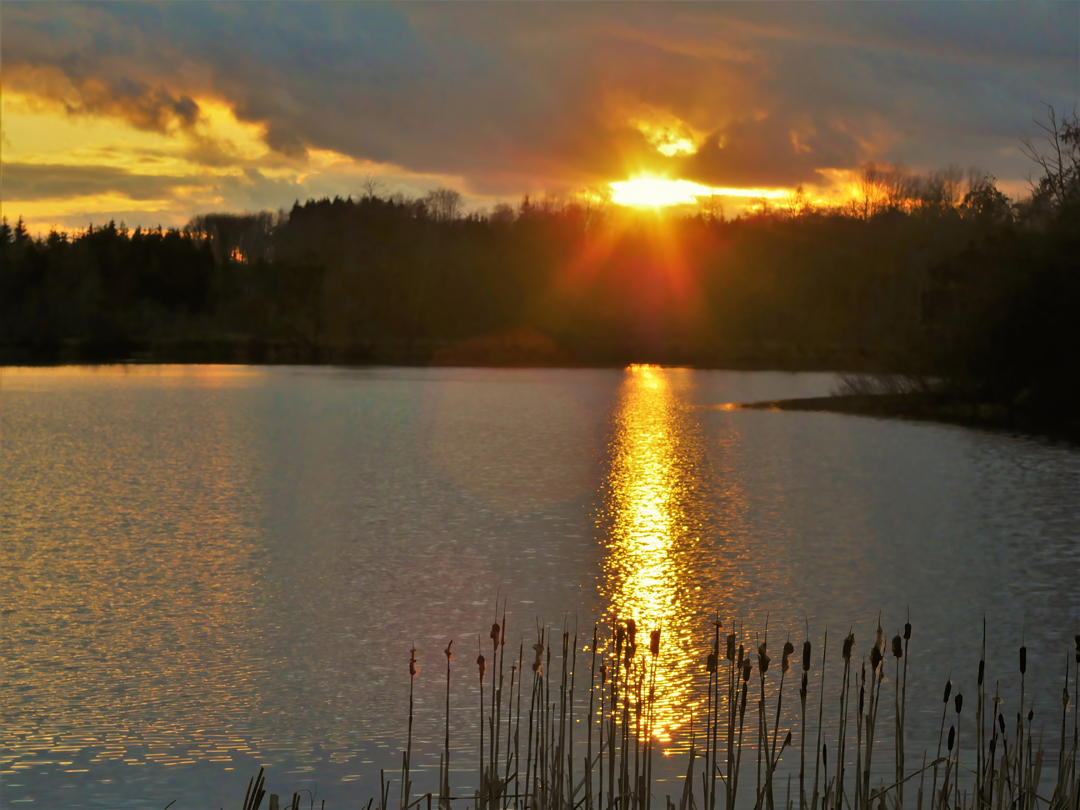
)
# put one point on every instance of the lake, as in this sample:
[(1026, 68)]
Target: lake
[(207, 569)]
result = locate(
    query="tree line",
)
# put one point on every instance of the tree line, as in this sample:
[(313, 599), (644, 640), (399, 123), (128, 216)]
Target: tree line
[(938, 276)]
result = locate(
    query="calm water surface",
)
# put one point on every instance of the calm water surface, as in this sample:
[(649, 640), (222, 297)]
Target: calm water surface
[(209, 569)]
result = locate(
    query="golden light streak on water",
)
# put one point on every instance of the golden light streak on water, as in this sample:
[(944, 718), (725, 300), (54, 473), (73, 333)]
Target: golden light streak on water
[(654, 467)]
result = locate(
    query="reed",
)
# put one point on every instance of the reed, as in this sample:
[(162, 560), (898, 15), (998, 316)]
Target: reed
[(620, 717)]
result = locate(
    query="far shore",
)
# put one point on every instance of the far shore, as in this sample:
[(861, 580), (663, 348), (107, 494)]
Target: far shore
[(932, 408)]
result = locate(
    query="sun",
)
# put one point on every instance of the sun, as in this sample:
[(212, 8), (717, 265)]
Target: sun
[(661, 192)]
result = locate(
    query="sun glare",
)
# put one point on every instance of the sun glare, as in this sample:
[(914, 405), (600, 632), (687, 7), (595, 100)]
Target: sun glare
[(658, 192)]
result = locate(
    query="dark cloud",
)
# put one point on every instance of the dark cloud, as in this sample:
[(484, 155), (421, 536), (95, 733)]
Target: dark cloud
[(30, 181), (516, 97)]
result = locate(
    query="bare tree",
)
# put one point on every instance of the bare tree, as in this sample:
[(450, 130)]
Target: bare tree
[(372, 187), (796, 203), (444, 204), (711, 208), (1059, 161)]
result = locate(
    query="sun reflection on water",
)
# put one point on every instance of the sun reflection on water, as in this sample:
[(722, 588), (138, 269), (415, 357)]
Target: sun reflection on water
[(653, 528)]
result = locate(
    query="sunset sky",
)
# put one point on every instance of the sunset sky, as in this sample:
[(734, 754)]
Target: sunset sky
[(153, 112)]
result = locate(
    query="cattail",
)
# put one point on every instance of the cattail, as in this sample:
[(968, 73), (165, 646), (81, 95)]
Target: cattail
[(449, 655), (603, 674), (897, 647), (789, 648), (1065, 697), (1023, 660), (763, 658), (907, 631), (710, 663), (731, 647), (952, 736), (875, 657), (654, 643), (481, 664), (746, 670), (959, 702), (413, 668), (948, 691), (849, 642), (1031, 715), (495, 634), (806, 656), (631, 631)]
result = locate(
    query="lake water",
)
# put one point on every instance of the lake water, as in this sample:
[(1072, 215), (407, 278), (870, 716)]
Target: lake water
[(209, 569)]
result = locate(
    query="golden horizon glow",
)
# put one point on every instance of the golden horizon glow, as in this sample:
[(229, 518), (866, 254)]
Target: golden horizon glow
[(659, 192)]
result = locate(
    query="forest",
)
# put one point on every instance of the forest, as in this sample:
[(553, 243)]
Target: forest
[(938, 278)]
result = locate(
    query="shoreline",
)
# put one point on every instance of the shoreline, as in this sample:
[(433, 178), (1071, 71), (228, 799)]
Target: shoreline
[(939, 408)]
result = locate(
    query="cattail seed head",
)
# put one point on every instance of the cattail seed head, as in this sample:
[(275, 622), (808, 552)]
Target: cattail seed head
[(763, 659), (789, 648), (449, 655), (806, 656), (862, 698), (982, 671), (907, 631), (731, 647), (603, 674), (897, 647), (413, 669), (948, 691), (1023, 660), (952, 736), (481, 665), (1031, 715), (710, 663), (849, 642), (654, 643), (876, 657), (495, 633), (958, 701), (742, 654), (631, 631), (746, 670)]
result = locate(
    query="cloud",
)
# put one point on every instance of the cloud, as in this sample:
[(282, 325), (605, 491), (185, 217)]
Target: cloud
[(29, 181), (527, 97)]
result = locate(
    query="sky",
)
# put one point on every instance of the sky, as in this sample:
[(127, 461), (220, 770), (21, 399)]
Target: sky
[(152, 112)]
